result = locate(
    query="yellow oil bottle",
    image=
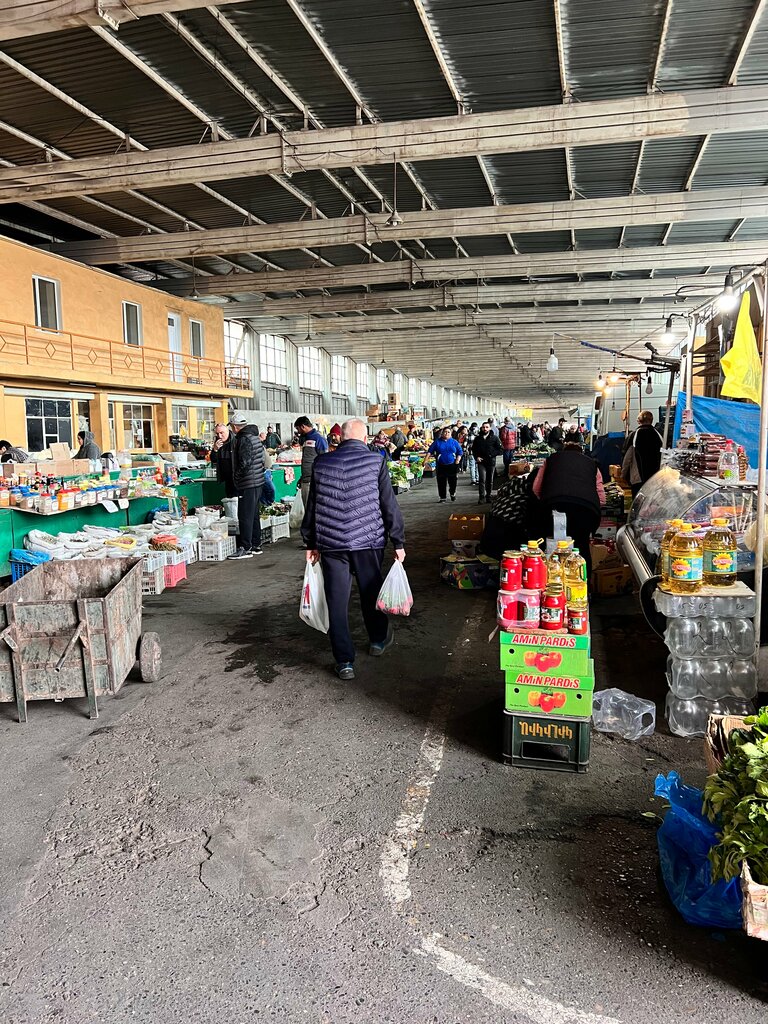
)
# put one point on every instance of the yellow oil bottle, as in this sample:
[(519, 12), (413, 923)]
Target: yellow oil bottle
[(719, 555), (686, 562), (556, 563), (673, 525)]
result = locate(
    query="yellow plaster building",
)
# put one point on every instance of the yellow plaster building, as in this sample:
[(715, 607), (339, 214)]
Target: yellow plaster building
[(84, 349)]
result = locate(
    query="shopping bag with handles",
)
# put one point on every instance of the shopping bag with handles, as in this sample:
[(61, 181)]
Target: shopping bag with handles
[(395, 597), (313, 608)]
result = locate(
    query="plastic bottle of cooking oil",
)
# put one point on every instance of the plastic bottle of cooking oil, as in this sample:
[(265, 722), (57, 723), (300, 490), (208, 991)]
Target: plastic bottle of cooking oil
[(673, 525), (728, 464), (719, 555), (575, 572), (686, 562), (556, 562)]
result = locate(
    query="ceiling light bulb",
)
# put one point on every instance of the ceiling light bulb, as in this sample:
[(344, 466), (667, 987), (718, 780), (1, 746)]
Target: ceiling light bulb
[(599, 383), (649, 386), (552, 363), (668, 334), (728, 301), (614, 378), (394, 220)]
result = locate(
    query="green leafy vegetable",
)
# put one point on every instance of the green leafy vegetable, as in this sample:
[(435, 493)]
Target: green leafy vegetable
[(737, 798)]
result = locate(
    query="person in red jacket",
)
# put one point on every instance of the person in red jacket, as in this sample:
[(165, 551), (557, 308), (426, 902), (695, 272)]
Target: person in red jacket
[(508, 438)]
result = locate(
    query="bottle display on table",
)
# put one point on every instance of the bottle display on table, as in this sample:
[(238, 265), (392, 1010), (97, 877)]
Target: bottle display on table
[(575, 572), (686, 562), (728, 465), (556, 561), (719, 555), (553, 607), (673, 525)]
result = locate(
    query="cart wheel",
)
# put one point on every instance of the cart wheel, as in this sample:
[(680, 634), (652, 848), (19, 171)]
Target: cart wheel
[(150, 657)]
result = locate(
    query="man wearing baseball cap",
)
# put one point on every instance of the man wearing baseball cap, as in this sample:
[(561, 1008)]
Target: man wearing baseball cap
[(248, 477)]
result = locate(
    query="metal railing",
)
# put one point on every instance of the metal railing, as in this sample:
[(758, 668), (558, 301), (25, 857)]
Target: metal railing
[(49, 351)]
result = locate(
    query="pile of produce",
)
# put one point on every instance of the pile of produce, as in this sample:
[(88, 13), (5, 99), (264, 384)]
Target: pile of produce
[(537, 450), (736, 797), (398, 474)]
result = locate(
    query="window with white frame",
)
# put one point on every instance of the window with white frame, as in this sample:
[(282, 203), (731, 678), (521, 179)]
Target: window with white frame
[(311, 402), (412, 391), (196, 339), (397, 384), (274, 399), (382, 383), (363, 384), (47, 294), (48, 421), (133, 328), (180, 416), (340, 406), (310, 368), (272, 360), (234, 333), (206, 421), (111, 416), (425, 393), (362, 407), (138, 425), (339, 375)]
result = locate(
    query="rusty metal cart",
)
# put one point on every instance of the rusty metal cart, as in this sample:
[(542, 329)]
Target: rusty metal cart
[(73, 629)]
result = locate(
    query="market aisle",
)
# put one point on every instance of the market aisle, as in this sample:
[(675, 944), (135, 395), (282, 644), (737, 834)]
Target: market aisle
[(212, 849)]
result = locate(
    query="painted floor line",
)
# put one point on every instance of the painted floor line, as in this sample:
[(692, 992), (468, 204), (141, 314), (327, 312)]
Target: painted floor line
[(395, 867)]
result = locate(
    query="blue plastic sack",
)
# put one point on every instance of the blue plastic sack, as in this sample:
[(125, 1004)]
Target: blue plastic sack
[(685, 839), (29, 557)]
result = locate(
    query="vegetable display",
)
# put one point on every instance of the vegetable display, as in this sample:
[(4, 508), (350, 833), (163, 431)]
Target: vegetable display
[(736, 797)]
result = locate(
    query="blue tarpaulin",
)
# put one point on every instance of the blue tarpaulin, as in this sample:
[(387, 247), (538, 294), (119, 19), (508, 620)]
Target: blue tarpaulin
[(738, 420)]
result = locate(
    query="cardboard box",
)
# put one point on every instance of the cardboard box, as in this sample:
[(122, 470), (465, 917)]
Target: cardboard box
[(546, 661), (469, 573), (606, 531), (613, 582), (542, 638), (545, 699), (465, 527), (393, 400), (754, 905), (605, 557), (374, 411)]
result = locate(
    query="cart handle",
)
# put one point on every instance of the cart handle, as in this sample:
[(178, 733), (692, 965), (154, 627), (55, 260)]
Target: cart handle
[(77, 635)]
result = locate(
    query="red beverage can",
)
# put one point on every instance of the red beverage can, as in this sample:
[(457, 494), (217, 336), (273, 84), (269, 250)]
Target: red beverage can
[(577, 620), (511, 575)]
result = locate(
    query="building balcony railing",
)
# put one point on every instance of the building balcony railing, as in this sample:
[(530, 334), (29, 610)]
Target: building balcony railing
[(56, 354)]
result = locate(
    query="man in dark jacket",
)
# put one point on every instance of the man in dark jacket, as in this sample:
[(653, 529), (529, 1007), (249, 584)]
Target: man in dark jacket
[(88, 448), (273, 438), (556, 437), (312, 444), (248, 478), (486, 448), (222, 459), (570, 482), (642, 456), (351, 512)]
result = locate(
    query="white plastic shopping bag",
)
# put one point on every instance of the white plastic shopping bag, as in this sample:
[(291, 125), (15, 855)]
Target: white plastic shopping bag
[(313, 608), (296, 518), (395, 596)]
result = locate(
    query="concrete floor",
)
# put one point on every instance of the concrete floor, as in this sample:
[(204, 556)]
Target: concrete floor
[(228, 845)]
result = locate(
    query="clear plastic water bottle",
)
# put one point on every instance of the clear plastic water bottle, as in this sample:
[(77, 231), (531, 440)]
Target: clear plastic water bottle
[(728, 465)]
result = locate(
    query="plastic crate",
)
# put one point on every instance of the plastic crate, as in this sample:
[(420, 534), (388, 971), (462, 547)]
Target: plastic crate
[(533, 741), (266, 535), (154, 560), (216, 550), (281, 531), (153, 582), (189, 551), (175, 574), (171, 557), (19, 569)]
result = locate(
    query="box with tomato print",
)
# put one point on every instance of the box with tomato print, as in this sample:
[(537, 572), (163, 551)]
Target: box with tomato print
[(545, 698), (546, 661)]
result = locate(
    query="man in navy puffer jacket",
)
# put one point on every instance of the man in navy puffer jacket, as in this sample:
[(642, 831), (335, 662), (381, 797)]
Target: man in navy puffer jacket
[(351, 512)]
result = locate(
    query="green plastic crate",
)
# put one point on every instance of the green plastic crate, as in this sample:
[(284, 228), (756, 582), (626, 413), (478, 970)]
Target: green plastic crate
[(531, 741)]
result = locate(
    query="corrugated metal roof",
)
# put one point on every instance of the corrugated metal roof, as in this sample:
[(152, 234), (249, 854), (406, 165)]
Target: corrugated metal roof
[(604, 170), (667, 163), (702, 42), (738, 159)]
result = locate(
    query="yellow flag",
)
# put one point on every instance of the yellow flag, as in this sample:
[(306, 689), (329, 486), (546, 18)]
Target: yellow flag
[(741, 364)]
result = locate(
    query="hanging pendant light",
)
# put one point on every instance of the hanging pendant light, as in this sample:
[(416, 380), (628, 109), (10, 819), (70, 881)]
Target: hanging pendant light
[(309, 329), (649, 386), (394, 220), (668, 334), (552, 363), (600, 382), (728, 301)]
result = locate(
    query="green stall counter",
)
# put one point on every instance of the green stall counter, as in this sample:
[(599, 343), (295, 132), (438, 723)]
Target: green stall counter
[(283, 489), (6, 540), (213, 492), (62, 522)]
